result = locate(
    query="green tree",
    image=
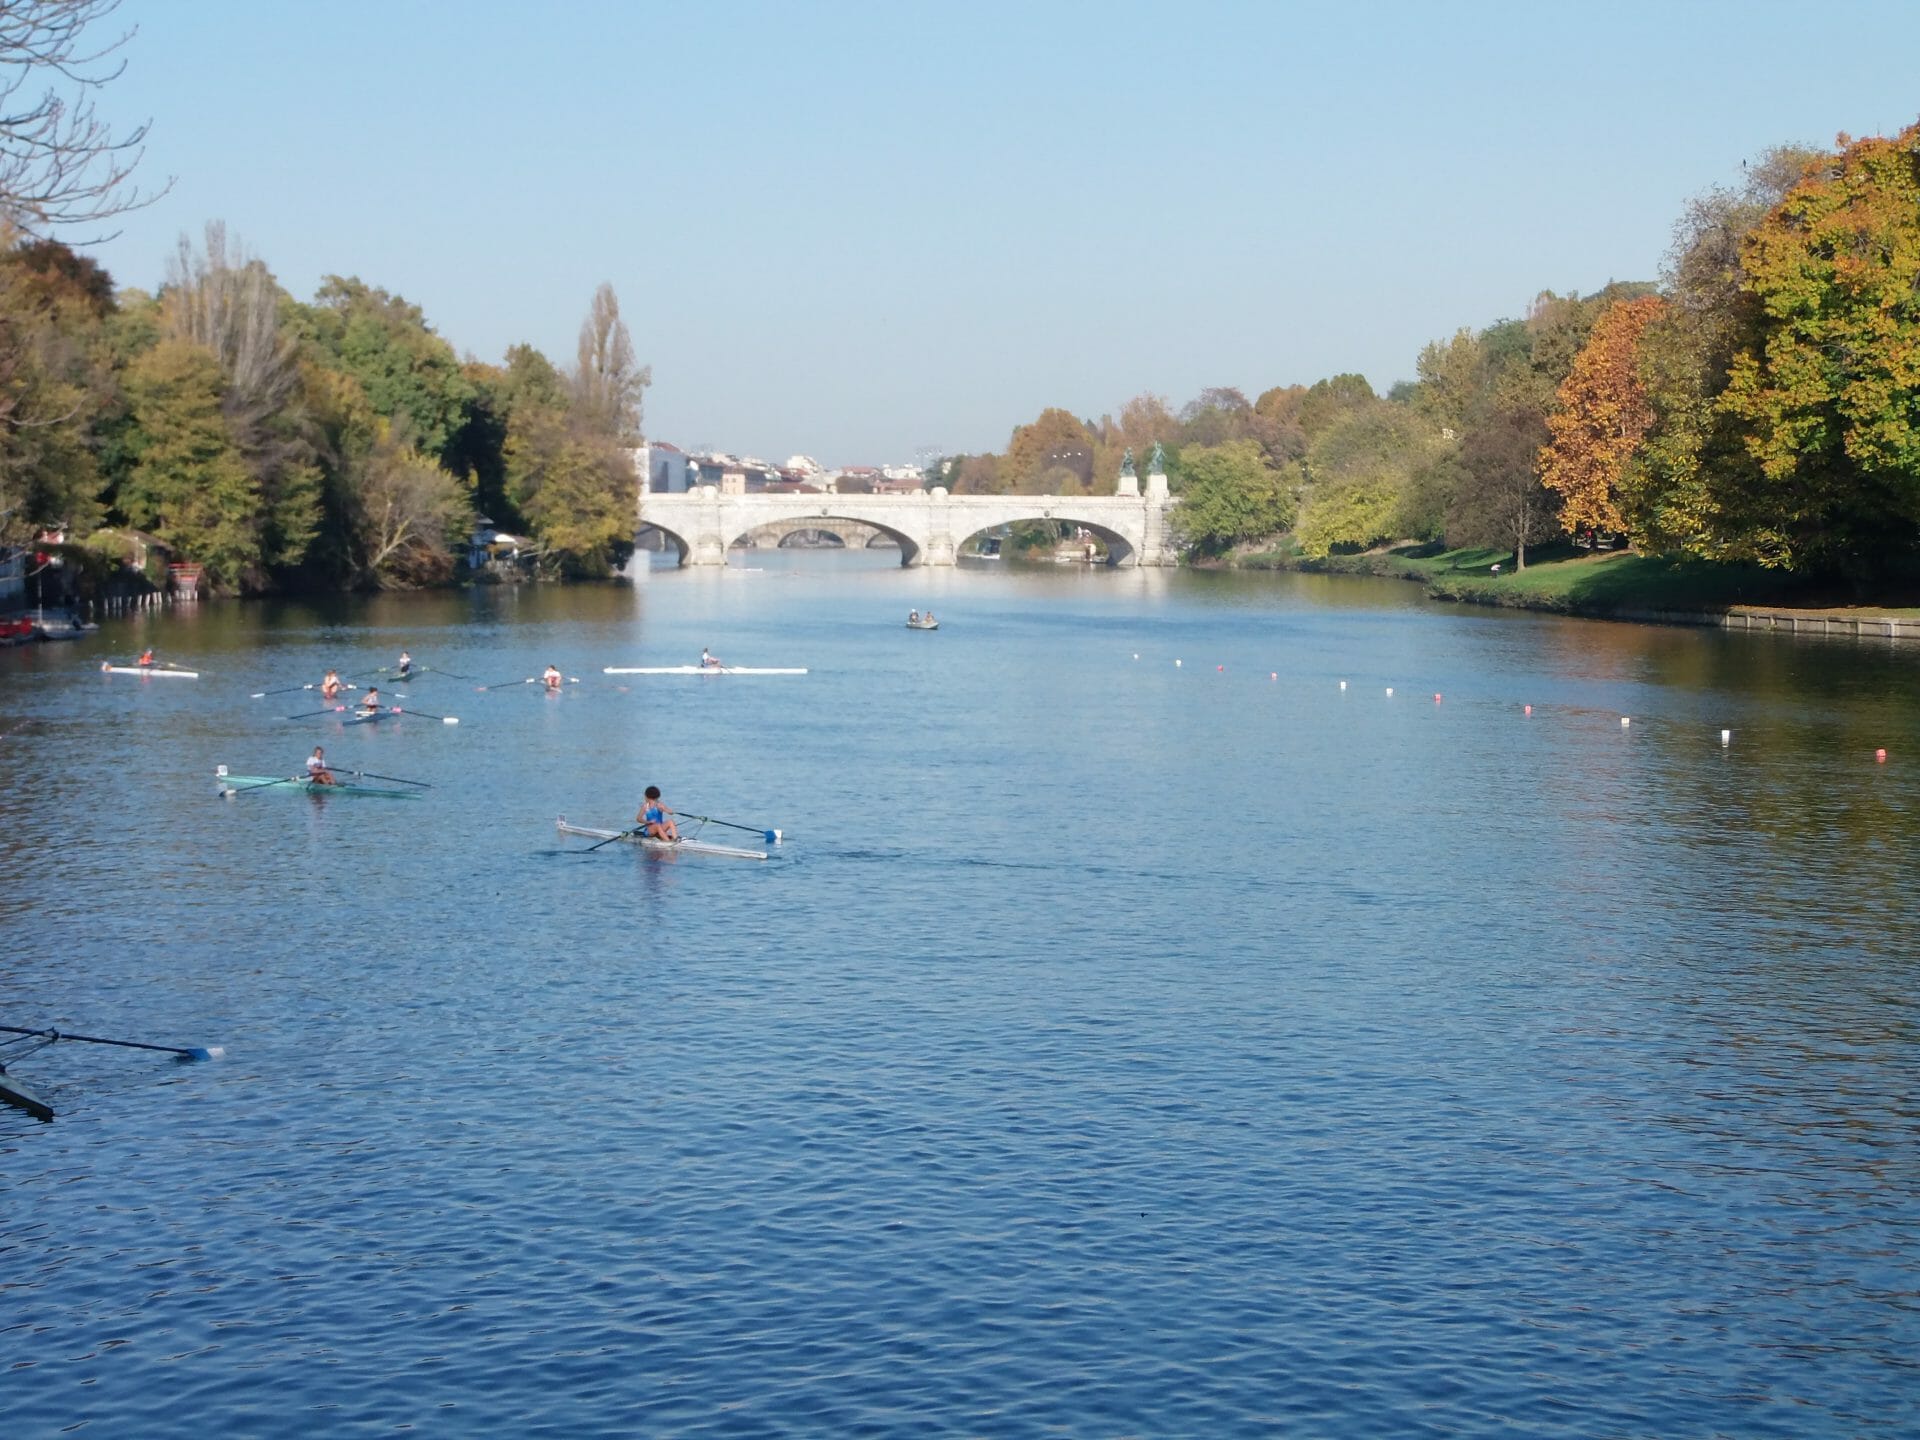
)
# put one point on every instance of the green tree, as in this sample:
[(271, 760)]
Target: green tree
[(189, 483), (1826, 392), (405, 509), (1360, 471), (1230, 494), (386, 344)]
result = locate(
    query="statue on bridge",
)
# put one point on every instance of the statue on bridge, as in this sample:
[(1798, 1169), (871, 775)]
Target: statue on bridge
[(1157, 462), (1126, 465)]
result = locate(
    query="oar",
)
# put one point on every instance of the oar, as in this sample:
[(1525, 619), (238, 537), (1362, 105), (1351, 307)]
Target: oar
[(266, 785), (438, 671), (397, 779), (772, 837), (291, 689), (185, 1052), (443, 719), (624, 834), (309, 714), (505, 683)]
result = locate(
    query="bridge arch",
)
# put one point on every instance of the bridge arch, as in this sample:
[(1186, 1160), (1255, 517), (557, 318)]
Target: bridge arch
[(1120, 550), (682, 548), (823, 517)]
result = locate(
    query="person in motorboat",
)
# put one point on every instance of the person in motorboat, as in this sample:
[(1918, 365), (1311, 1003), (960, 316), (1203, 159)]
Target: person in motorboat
[(928, 620), (656, 817), (317, 771), (552, 678), (330, 687), (913, 617), (709, 661)]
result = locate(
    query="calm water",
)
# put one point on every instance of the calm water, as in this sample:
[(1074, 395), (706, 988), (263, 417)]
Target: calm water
[(1115, 1047)]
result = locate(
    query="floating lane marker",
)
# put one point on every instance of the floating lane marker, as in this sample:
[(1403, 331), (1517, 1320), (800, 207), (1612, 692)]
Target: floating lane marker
[(1274, 676), (1436, 697), (1529, 709), (1343, 684), (1880, 757), (1389, 692), (1726, 737), (1176, 664), (1625, 720)]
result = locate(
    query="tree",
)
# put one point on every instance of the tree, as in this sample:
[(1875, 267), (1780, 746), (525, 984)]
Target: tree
[(608, 386), (1826, 391), (1498, 499), (53, 378), (60, 164), (1359, 476), (1229, 494), (189, 483), (405, 508), (1056, 441), (1603, 415), (1327, 400), (228, 303), (387, 345)]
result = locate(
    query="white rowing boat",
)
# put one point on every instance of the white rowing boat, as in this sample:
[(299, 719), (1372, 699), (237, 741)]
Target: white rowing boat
[(696, 847), (693, 670), (149, 670)]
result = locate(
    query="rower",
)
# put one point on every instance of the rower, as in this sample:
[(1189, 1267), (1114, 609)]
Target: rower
[(370, 702), (146, 657), (405, 667), (552, 678), (709, 662), (317, 771), (330, 687), (656, 817)]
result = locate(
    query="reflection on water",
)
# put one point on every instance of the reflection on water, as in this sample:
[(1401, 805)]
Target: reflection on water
[(1114, 1047)]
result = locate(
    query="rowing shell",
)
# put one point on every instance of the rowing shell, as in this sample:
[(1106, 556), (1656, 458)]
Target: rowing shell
[(697, 847), (692, 670), (230, 783), (149, 670), (13, 1092)]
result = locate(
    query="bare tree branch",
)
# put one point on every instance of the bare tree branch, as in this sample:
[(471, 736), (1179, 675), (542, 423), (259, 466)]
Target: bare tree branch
[(60, 163)]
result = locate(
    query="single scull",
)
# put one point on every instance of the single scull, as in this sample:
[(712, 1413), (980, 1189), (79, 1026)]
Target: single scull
[(697, 847), (148, 670), (693, 670), (229, 784)]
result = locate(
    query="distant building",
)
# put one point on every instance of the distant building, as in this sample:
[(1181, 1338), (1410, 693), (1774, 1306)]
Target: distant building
[(663, 469)]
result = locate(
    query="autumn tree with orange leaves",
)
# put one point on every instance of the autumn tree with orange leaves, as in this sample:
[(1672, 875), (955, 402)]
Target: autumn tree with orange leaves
[(1604, 413)]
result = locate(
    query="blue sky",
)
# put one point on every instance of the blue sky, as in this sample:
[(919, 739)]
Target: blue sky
[(853, 230)]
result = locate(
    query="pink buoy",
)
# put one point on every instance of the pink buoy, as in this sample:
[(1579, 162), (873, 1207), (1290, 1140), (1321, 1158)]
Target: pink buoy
[(1880, 756), (1436, 697), (1221, 668), (1529, 709), (1274, 676)]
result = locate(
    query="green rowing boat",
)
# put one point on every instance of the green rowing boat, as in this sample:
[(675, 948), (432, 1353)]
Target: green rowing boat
[(261, 784)]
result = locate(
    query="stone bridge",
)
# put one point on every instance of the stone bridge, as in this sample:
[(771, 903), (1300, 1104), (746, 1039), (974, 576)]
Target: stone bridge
[(931, 526)]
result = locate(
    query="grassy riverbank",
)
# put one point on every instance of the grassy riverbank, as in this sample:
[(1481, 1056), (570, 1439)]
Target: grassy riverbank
[(1572, 581)]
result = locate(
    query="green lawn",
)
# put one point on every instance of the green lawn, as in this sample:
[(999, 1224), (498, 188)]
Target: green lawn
[(1563, 578)]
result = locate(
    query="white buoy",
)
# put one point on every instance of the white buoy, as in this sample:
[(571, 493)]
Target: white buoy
[(1626, 720), (1343, 684), (1726, 737), (1136, 654), (1176, 664), (1389, 692)]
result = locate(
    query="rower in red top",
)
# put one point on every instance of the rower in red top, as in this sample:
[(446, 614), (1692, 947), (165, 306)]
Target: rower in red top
[(146, 657)]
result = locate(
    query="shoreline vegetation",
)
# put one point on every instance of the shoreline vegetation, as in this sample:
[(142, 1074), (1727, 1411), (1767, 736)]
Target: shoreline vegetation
[(1565, 579)]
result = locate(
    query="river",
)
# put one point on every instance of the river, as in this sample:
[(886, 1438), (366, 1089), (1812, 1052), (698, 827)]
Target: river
[(1138, 1031)]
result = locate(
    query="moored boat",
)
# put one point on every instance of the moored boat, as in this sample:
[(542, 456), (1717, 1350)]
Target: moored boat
[(630, 837)]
